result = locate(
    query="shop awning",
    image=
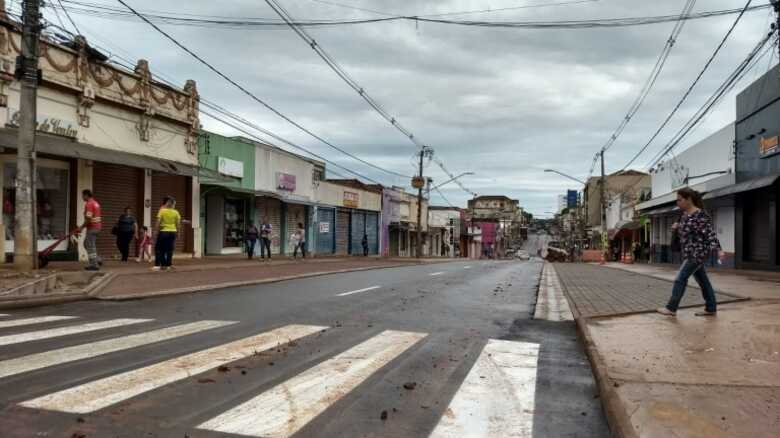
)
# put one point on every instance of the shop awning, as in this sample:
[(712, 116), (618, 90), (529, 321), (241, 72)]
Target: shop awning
[(660, 210), (64, 147), (753, 184), (209, 176)]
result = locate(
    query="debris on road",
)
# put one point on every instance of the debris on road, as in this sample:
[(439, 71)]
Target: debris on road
[(383, 416), (207, 381), (410, 385), (223, 369)]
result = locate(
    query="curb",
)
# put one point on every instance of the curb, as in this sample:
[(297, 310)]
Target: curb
[(44, 301), (211, 287), (618, 419)]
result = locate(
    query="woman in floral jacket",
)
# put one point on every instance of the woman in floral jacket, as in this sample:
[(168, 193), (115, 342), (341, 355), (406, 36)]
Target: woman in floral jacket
[(699, 240)]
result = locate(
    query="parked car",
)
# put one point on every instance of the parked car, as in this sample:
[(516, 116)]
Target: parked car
[(522, 255)]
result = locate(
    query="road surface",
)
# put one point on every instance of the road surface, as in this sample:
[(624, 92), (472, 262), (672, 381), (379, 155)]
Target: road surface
[(442, 350)]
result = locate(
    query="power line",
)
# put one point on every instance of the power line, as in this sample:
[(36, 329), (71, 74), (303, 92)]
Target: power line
[(127, 64), (653, 78), (445, 14), (244, 23), (253, 96), (334, 65), (69, 17), (690, 89)]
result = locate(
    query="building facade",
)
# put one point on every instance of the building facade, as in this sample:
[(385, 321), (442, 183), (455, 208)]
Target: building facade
[(119, 133), (757, 189), (707, 166), (444, 232)]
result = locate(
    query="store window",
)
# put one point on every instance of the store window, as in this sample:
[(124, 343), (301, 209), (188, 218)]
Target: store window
[(234, 223), (52, 198)]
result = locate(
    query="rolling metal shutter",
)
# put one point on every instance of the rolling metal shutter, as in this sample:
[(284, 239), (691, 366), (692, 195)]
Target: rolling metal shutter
[(326, 234), (116, 187), (372, 229), (756, 226), (295, 213), (177, 186), (356, 232), (342, 232), (271, 209)]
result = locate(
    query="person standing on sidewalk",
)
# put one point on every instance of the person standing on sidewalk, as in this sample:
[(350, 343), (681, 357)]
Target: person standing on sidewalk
[(168, 224), (93, 222), (298, 239), (698, 239), (364, 242), (265, 238), (126, 230), (251, 240)]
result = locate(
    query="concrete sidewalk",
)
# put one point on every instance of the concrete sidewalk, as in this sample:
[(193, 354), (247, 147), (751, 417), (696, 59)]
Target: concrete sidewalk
[(681, 377)]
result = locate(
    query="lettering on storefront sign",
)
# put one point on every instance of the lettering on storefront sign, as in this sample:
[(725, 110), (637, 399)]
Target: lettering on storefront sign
[(48, 125), (351, 199), (285, 181), (229, 167), (769, 146), (324, 227)]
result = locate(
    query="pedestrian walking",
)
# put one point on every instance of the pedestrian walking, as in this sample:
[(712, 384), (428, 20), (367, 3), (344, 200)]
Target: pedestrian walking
[(298, 238), (125, 230), (252, 233), (265, 238), (145, 246), (698, 239), (168, 224), (93, 223), (364, 242)]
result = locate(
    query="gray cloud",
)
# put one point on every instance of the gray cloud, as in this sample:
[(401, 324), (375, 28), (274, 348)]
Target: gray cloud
[(502, 103)]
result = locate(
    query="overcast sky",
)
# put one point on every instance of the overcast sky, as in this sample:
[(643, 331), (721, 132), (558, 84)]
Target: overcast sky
[(503, 103)]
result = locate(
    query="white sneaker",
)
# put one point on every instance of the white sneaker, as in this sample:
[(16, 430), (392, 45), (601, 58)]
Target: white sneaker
[(155, 268)]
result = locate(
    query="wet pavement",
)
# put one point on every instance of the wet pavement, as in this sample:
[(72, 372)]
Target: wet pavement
[(417, 351)]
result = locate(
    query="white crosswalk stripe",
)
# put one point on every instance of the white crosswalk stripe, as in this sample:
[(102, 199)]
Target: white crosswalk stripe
[(68, 330), (71, 354), (284, 409), (497, 397), (4, 314), (102, 393), (29, 321)]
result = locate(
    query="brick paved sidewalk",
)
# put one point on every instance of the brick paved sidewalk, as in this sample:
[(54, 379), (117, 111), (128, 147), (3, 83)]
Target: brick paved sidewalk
[(599, 291)]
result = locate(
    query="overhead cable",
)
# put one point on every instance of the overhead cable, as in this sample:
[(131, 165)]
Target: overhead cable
[(254, 96)]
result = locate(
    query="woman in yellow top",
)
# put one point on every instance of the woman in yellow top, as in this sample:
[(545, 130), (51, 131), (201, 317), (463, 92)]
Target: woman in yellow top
[(168, 224)]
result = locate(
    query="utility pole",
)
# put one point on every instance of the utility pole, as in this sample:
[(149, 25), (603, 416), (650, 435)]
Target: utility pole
[(421, 184), (25, 239), (603, 196)]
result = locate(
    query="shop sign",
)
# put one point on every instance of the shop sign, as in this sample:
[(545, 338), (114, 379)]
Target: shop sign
[(226, 166), (285, 181), (769, 146), (324, 227), (48, 125), (351, 199)]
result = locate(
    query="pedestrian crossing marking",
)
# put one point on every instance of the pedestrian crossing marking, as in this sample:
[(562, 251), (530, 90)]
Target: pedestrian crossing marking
[(71, 354), (286, 408), (4, 314), (68, 330), (105, 392), (498, 395), (36, 320)]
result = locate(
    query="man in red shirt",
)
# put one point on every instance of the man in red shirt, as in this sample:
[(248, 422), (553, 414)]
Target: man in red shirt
[(93, 222)]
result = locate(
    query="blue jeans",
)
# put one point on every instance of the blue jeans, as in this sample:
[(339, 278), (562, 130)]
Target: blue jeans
[(697, 270), (166, 243)]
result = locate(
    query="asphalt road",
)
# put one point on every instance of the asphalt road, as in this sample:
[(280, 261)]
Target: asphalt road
[(444, 350)]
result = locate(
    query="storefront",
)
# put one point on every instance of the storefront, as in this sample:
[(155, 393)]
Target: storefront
[(269, 210), (102, 128), (352, 210), (53, 194), (227, 192), (757, 188)]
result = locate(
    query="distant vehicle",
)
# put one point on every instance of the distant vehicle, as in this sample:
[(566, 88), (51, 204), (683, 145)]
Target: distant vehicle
[(522, 255)]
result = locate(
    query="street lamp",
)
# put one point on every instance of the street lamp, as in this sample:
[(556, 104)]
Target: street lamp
[(453, 179), (566, 176)]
